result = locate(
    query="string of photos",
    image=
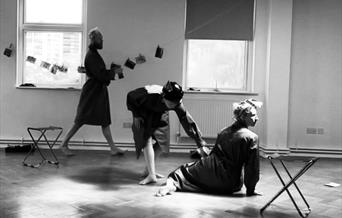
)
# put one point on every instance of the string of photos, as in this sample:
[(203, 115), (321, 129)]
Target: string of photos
[(54, 68), (140, 59)]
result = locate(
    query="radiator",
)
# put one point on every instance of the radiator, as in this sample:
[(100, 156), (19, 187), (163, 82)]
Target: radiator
[(210, 115)]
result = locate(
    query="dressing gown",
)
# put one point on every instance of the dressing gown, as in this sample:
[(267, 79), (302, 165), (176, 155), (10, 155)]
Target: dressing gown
[(94, 107), (234, 161)]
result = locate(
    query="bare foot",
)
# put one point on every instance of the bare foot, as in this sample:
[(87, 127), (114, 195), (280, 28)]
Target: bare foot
[(115, 151), (145, 174), (149, 179), (159, 176), (66, 151)]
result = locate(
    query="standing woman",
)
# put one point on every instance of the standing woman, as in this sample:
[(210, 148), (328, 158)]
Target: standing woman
[(94, 107)]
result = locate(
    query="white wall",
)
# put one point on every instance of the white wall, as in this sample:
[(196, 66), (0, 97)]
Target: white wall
[(278, 59), (316, 74), (297, 58)]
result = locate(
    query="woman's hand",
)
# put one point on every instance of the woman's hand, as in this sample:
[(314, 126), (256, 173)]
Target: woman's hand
[(202, 143), (137, 122), (118, 70)]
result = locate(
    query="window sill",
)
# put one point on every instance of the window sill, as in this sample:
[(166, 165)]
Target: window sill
[(49, 88), (222, 93)]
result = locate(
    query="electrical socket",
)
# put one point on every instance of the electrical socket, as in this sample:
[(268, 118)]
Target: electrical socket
[(311, 131), (314, 131), (127, 125), (320, 131)]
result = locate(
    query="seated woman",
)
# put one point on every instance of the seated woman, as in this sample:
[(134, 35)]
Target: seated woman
[(236, 149)]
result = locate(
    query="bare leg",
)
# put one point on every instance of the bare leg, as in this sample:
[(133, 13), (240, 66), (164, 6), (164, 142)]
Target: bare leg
[(157, 153), (149, 160), (167, 189), (64, 145), (108, 135), (70, 134)]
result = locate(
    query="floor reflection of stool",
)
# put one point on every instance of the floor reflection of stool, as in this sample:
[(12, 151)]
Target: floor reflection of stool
[(35, 145), (287, 185)]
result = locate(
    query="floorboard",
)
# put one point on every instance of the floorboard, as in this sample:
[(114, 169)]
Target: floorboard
[(94, 184)]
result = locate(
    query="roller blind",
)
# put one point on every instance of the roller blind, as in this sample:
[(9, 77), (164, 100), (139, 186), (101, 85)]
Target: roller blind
[(220, 19)]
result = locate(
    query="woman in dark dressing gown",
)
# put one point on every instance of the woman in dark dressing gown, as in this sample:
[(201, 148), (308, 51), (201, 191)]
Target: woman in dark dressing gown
[(94, 107), (148, 106), (235, 151)]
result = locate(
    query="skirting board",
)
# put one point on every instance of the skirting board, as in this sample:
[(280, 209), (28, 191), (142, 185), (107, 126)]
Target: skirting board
[(306, 152), (96, 145), (183, 148)]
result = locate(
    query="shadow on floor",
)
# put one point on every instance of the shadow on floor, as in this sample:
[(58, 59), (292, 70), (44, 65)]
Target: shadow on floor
[(100, 210), (131, 209), (106, 177)]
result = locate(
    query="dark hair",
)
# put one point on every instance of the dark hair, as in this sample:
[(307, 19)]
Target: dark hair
[(172, 91)]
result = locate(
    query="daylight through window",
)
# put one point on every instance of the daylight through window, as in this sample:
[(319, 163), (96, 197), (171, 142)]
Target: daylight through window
[(217, 65), (51, 38)]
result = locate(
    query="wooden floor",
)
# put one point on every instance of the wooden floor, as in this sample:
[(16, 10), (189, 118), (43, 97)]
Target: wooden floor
[(93, 184)]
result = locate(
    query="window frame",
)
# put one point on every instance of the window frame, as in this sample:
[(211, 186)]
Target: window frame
[(23, 27), (249, 75)]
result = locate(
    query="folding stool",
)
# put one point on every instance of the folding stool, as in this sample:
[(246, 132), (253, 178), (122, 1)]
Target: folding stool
[(35, 145), (308, 164)]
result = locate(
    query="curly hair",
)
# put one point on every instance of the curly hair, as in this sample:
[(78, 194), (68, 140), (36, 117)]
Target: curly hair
[(244, 107)]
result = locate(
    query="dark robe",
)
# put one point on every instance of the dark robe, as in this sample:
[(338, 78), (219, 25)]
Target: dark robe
[(235, 151), (93, 107), (147, 103)]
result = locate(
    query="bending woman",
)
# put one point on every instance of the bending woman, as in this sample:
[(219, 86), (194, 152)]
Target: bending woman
[(148, 106)]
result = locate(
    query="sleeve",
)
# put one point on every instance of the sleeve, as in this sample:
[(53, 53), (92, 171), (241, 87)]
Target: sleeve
[(96, 69), (189, 125), (134, 101), (251, 174)]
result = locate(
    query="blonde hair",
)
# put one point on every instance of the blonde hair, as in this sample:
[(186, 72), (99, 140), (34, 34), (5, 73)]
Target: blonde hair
[(244, 107)]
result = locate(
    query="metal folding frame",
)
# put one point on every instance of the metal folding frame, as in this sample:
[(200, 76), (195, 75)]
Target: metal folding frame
[(309, 164), (35, 145)]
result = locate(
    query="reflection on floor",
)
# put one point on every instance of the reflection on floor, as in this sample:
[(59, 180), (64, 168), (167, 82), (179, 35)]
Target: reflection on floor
[(94, 184)]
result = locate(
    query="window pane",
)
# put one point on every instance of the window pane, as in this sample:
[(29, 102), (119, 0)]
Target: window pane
[(216, 64), (53, 11), (52, 58)]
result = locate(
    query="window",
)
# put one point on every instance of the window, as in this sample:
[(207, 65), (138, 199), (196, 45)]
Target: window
[(219, 36), (217, 65), (51, 43)]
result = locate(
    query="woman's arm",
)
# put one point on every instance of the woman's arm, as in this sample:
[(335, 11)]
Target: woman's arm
[(189, 125), (251, 176)]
